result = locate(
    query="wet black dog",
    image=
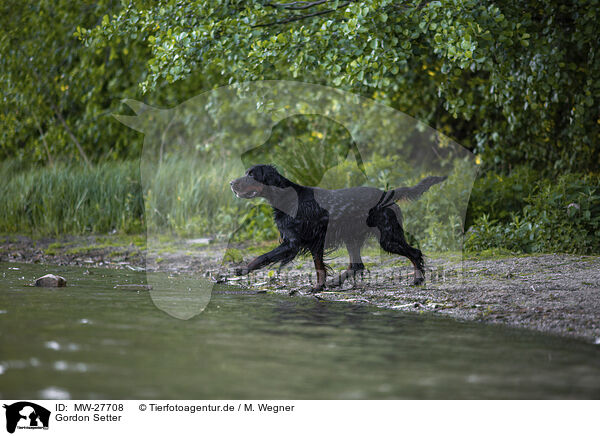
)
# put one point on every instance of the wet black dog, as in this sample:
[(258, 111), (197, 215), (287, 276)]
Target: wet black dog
[(313, 219)]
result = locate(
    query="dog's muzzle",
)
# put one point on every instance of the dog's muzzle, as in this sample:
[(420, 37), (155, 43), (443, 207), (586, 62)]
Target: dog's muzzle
[(246, 187)]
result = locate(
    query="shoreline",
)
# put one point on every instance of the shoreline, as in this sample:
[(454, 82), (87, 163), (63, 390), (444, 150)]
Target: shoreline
[(551, 293)]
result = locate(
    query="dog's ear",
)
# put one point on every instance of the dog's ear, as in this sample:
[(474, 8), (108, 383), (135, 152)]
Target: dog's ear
[(258, 173), (268, 176), (273, 177), (255, 172)]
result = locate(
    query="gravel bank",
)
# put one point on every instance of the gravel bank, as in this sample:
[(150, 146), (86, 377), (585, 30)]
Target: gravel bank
[(554, 293)]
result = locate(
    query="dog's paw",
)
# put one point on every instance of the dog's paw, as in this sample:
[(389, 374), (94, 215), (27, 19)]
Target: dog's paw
[(241, 271), (340, 279), (418, 281), (317, 289)]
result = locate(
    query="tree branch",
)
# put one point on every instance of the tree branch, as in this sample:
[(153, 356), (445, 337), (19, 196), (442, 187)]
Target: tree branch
[(292, 6), (304, 16), (58, 114), (70, 133), (43, 136)]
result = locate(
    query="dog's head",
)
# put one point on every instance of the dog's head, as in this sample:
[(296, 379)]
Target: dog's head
[(257, 180)]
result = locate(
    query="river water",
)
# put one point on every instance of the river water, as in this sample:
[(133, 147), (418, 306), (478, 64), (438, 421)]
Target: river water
[(93, 341)]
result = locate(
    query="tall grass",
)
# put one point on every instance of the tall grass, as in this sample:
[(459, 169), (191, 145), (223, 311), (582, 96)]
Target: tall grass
[(188, 197), (71, 199), (192, 197)]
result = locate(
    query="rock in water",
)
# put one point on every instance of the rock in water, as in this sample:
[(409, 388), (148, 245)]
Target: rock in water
[(51, 281)]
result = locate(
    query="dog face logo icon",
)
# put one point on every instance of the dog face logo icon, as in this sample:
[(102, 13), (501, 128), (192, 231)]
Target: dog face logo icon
[(26, 415)]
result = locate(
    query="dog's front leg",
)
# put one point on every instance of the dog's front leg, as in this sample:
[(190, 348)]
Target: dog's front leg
[(320, 269), (283, 252)]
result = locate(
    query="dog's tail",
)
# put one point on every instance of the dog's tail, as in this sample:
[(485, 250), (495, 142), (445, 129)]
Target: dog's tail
[(408, 193)]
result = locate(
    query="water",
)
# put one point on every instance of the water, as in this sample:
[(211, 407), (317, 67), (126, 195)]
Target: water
[(91, 341)]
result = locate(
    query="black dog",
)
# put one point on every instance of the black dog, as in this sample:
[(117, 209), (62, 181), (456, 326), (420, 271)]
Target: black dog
[(313, 219)]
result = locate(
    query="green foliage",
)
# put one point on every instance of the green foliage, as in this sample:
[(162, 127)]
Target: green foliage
[(305, 149), (500, 196), (57, 94), (257, 224), (436, 218), (560, 215), (233, 255), (516, 81)]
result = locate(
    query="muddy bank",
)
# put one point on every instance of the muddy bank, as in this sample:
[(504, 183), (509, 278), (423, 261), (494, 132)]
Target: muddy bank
[(553, 293)]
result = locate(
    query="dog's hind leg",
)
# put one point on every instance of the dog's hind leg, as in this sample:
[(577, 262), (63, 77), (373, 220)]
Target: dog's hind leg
[(356, 264), (392, 240)]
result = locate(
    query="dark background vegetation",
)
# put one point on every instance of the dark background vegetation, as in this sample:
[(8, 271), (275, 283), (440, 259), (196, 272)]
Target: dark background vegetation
[(518, 83)]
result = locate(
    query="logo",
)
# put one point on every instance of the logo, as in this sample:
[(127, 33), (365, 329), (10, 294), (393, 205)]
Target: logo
[(26, 415)]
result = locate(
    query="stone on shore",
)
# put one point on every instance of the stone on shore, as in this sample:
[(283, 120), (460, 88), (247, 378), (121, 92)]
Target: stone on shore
[(51, 281)]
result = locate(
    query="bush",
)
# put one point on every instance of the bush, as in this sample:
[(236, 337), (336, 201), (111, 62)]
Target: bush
[(500, 196), (560, 215)]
